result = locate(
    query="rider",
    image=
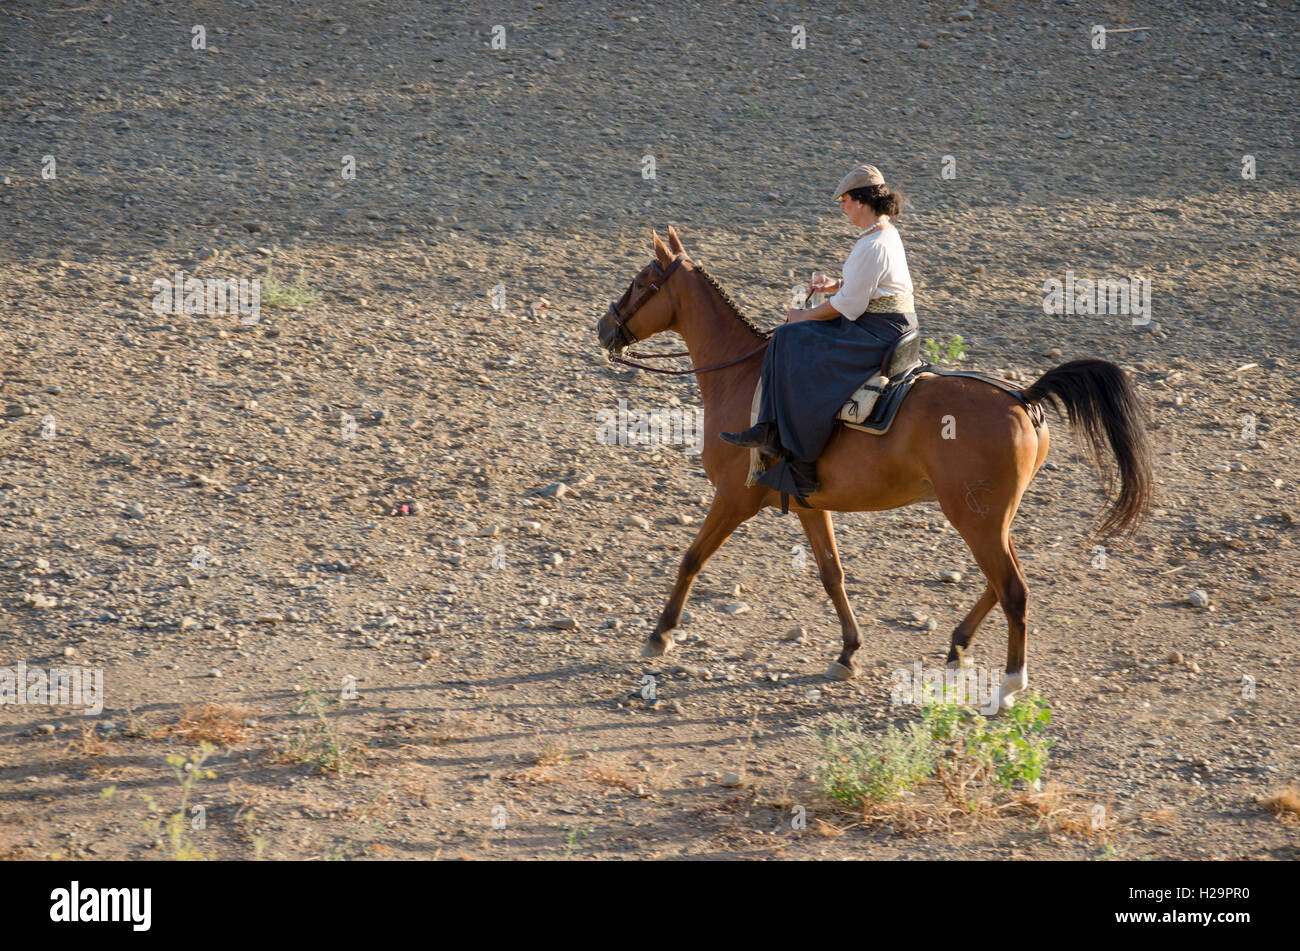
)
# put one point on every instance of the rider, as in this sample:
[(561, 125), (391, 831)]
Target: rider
[(821, 355)]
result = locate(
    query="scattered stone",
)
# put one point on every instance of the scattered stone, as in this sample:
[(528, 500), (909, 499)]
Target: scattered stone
[(798, 635), (69, 652), (1174, 658), (736, 607), (136, 510), (556, 490), (952, 577), (46, 729), (565, 624), (637, 521), (731, 780), (1199, 598), (215, 673)]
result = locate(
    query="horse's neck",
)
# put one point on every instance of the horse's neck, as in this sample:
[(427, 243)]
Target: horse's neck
[(713, 335)]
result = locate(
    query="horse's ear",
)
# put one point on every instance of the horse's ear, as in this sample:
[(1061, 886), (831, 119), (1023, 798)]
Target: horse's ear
[(674, 242), (661, 250)]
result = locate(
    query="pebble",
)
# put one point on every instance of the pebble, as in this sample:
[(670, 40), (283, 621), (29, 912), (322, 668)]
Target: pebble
[(930, 624), (136, 510), (45, 728), (1174, 658), (731, 780), (556, 490), (637, 521), (214, 673), (564, 624), (952, 577), (1199, 598), (736, 607), (797, 634), (69, 652)]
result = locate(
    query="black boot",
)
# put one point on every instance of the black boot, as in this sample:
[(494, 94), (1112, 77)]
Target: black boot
[(764, 437)]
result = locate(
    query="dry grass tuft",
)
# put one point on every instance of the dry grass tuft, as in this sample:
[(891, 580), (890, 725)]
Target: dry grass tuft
[(1061, 812), (604, 776), (218, 723), (1285, 805), (90, 743)]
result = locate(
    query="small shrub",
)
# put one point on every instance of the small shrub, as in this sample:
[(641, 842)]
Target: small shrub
[(953, 743), (936, 352), (297, 294), (857, 769)]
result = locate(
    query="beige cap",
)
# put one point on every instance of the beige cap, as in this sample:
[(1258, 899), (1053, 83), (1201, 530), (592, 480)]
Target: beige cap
[(860, 177)]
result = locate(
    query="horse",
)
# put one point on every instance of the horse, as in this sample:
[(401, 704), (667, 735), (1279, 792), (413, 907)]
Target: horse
[(997, 450)]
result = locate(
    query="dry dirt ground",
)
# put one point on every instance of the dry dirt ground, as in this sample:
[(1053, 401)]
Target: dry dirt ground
[(183, 508)]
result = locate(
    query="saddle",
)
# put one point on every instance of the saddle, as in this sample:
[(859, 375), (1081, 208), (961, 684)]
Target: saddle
[(874, 406)]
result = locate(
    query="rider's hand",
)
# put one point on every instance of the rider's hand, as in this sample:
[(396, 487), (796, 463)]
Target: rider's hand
[(827, 286)]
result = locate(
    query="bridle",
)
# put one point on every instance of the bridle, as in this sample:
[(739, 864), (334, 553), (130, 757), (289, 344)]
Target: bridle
[(626, 338)]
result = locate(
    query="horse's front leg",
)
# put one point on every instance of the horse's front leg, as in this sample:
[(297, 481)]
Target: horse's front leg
[(821, 536), (725, 515)]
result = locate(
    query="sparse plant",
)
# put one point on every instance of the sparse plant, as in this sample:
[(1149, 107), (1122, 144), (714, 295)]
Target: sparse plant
[(571, 843), (171, 832), (955, 744), (857, 769), (323, 746), (952, 352), (1013, 748), (297, 294), (755, 111)]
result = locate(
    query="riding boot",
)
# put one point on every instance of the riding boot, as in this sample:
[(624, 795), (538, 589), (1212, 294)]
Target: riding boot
[(765, 437)]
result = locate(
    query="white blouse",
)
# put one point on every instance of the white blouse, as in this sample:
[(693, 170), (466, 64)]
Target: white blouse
[(877, 267)]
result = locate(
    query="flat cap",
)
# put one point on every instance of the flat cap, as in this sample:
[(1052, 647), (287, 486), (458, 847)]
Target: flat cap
[(860, 177)]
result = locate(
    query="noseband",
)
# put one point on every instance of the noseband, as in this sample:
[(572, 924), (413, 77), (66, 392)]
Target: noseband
[(626, 337)]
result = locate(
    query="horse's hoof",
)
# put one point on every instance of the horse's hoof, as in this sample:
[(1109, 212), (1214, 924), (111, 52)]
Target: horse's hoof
[(654, 648), (1012, 684), (838, 671)]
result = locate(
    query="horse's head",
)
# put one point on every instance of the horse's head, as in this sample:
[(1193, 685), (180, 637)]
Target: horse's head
[(643, 311)]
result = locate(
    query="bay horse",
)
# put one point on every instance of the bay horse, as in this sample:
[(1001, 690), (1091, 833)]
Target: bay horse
[(997, 448)]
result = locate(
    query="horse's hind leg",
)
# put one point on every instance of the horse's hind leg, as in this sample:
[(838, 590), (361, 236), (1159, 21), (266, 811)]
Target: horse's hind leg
[(964, 633), (725, 515), (989, 539), (821, 536)]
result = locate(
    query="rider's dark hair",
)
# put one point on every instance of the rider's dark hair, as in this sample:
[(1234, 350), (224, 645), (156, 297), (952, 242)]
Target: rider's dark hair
[(880, 199)]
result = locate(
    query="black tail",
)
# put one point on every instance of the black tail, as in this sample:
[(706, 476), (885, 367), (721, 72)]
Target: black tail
[(1103, 408)]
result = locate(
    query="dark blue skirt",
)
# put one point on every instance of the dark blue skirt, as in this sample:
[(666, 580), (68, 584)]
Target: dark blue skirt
[(809, 372)]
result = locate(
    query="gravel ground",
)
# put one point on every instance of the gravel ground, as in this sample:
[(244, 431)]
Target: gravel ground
[(210, 511)]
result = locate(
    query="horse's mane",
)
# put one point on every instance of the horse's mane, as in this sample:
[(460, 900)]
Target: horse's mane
[(756, 330)]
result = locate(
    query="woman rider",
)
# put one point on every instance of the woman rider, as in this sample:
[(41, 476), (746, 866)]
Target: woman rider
[(820, 357)]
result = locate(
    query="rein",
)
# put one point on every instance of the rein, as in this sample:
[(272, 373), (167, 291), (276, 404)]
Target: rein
[(683, 353)]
